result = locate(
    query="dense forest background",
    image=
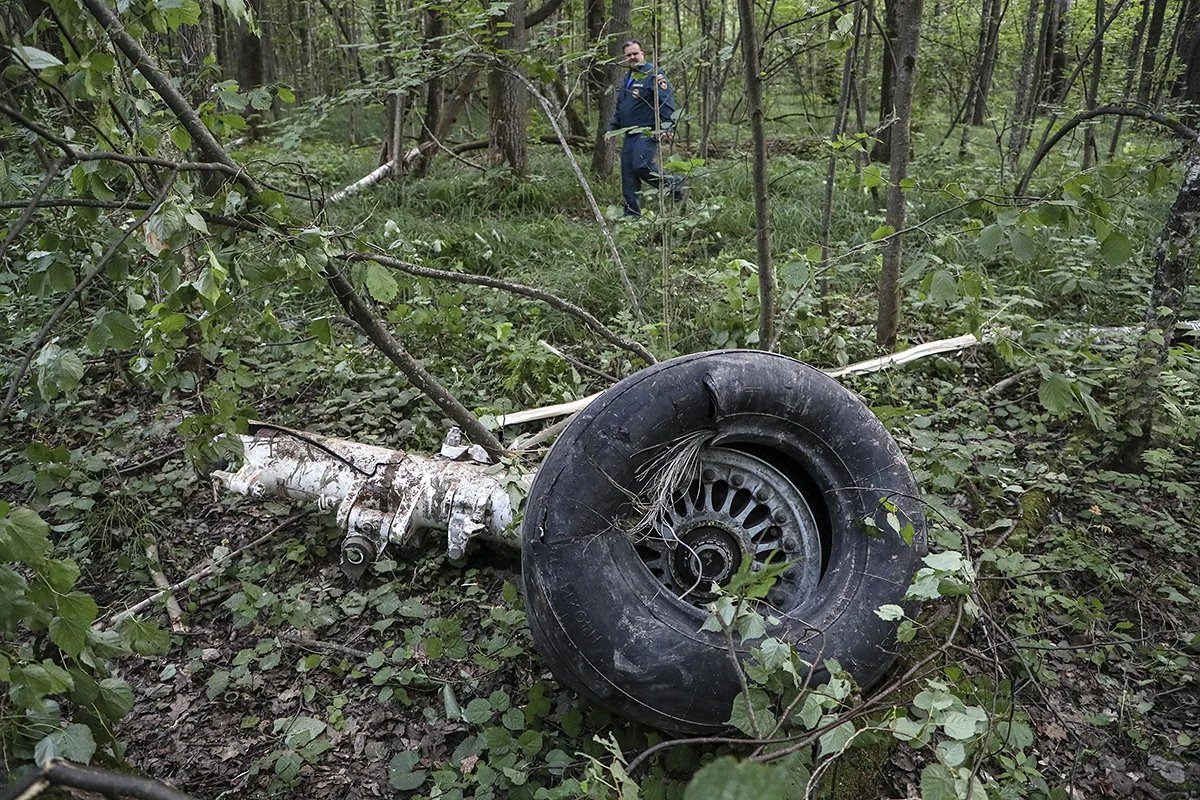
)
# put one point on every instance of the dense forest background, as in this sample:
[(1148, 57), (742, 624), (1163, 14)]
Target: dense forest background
[(377, 219)]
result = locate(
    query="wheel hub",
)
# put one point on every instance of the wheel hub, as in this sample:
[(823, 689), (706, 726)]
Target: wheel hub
[(739, 508)]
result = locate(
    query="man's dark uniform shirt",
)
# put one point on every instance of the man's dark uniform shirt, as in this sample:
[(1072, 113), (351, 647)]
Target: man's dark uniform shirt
[(640, 89)]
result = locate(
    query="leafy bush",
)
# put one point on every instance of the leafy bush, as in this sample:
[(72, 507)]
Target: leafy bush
[(62, 699)]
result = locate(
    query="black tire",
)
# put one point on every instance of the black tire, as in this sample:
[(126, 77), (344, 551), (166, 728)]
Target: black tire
[(611, 630)]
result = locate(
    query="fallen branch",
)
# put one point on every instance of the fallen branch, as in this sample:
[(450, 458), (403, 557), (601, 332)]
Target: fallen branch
[(116, 619), (154, 566), (326, 647), (393, 166), (1184, 132), (870, 365), (920, 351), (416, 374), (508, 286), (378, 174), (59, 772)]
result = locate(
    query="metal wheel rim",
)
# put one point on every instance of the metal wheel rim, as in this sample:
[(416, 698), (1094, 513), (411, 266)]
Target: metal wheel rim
[(739, 506)]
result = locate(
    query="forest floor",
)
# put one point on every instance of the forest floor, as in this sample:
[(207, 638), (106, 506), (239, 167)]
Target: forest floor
[(292, 681)]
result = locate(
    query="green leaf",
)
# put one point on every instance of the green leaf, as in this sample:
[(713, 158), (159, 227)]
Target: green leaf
[(23, 537), (836, 739), (212, 279), (287, 765), (478, 711), (285, 95), (401, 773), (890, 612), (730, 779), (1024, 248), (322, 330), (1116, 249), (937, 783), (35, 58), (381, 283), (1056, 395), (751, 713), (881, 232), (989, 239), (908, 730), (943, 288), (74, 743), (302, 731), (69, 630), (951, 753), (145, 638), (958, 725), (59, 371), (181, 138), (116, 698), (123, 331)]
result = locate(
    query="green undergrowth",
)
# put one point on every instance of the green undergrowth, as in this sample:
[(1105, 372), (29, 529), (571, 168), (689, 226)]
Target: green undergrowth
[(1076, 583)]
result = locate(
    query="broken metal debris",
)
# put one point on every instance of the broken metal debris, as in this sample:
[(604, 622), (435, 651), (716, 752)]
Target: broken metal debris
[(381, 496)]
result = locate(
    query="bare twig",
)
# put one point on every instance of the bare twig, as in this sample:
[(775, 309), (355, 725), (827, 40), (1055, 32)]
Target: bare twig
[(1183, 131), (417, 375), (154, 566), (327, 647), (575, 362), (59, 772), (31, 206), (116, 619), (508, 286), (591, 198), (48, 326), (126, 205)]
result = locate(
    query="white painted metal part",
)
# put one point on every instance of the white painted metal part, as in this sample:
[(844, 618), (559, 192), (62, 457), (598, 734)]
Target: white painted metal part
[(382, 496)]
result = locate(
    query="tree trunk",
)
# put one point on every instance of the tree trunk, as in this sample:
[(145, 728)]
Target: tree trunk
[(249, 65), (1019, 135), (839, 127), (1054, 62), (1130, 73), (1090, 153), (762, 209), (619, 22), (1150, 52), (893, 29), (905, 46), (987, 66), (435, 28), (1172, 51), (1174, 257), (508, 102), (1187, 85)]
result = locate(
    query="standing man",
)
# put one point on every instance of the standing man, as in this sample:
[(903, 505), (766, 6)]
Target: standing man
[(646, 112)]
